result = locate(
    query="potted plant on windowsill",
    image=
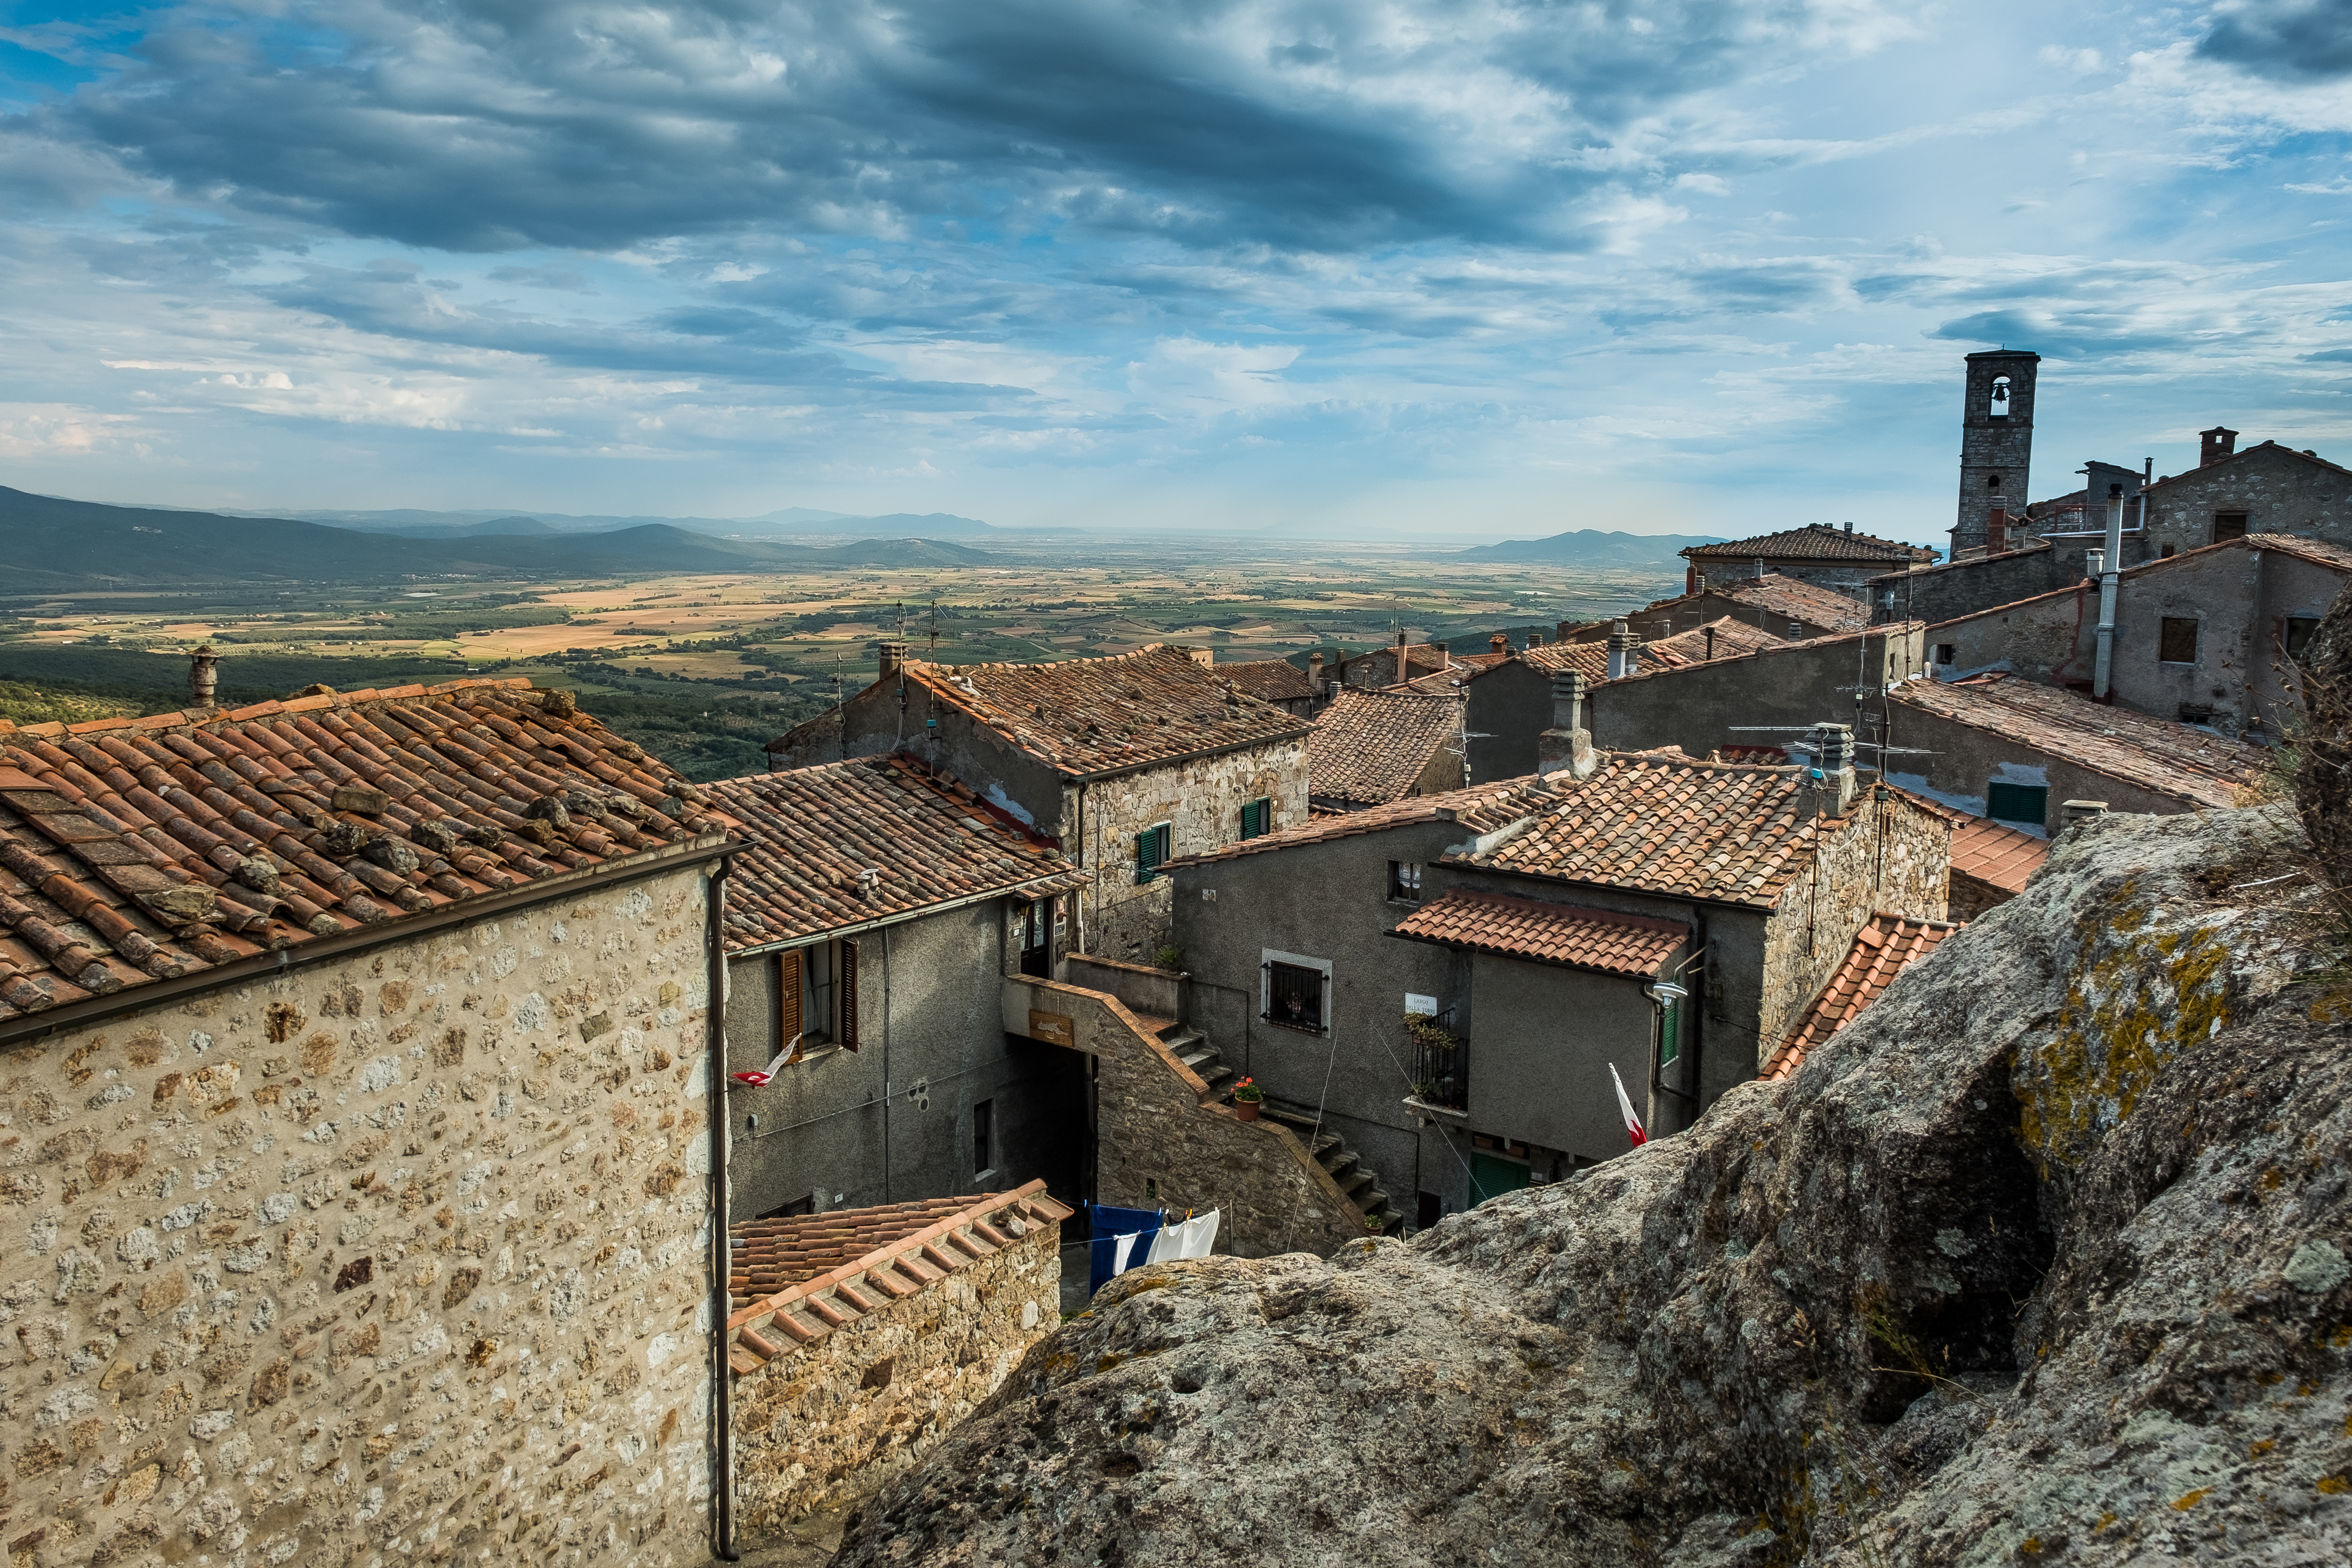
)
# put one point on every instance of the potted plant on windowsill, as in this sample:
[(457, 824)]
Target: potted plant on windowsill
[(1246, 1097)]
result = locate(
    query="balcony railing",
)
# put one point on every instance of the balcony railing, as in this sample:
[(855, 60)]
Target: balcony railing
[(1441, 1060)]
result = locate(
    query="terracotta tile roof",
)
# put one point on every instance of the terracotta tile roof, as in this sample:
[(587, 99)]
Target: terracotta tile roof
[(1086, 717), (795, 1281), (1268, 680), (1731, 638), (1550, 933), (140, 849), (1814, 541), (1662, 823), (2319, 551), (811, 833), (2155, 754), (1790, 598), (1884, 948), (1481, 808), (1999, 856), (1369, 747)]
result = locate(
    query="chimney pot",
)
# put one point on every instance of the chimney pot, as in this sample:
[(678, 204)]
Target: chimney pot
[(203, 675), (2074, 811), (1624, 650), (1566, 745), (1832, 748), (1498, 643), (893, 654)]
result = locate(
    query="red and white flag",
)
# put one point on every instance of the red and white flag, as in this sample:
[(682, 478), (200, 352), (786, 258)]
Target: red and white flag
[(759, 1077), (1632, 1122)]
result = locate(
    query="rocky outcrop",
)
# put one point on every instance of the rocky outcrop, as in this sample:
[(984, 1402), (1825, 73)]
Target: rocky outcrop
[(2043, 1258)]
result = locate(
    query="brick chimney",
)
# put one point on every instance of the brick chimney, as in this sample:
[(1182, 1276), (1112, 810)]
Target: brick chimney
[(1997, 531), (1498, 643), (1624, 650), (1445, 659), (1832, 773), (204, 676), (1535, 639), (1566, 746), (1206, 657), (894, 658), (1315, 671), (2218, 444)]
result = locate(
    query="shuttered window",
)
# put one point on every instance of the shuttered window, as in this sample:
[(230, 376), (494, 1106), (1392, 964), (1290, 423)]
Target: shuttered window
[(2177, 640), (847, 1033), (1151, 852), (788, 1001), (1258, 817), (2017, 803)]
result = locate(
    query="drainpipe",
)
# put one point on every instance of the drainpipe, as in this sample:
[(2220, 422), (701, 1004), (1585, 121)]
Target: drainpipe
[(2103, 668), (722, 1376), (888, 1088)]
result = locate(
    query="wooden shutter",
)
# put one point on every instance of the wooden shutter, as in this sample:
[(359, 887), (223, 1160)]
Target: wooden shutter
[(788, 1000), (1151, 848), (847, 1034)]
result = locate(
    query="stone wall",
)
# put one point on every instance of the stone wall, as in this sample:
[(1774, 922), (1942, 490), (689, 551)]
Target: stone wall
[(1696, 707), (2280, 491), (1957, 588), (826, 1424), (392, 1254), (1159, 1146)]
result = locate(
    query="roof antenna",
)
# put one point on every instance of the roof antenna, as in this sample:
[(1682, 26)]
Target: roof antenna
[(935, 631)]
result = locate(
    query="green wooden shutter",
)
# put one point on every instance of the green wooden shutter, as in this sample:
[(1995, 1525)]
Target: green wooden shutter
[(2018, 802), (1256, 817), (1150, 849)]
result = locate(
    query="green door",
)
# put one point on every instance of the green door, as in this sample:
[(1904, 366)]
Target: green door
[(1491, 1177)]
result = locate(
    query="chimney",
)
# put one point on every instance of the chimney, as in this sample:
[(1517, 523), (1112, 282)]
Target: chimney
[(1566, 746), (2219, 443), (1849, 528), (1833, 771), (1997, 531), (1315, 671), (894, 658), (1698, 582), (1498, 643), (1206, 657), (203, 675), (1624, 650), (1535, 639), (2074, 811), (1444, 659)]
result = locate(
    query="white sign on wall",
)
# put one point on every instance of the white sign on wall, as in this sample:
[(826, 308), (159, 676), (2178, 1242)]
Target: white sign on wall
[(1427, 1005)]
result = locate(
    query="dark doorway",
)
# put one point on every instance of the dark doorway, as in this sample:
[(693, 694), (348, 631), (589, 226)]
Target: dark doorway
[(1037, 939)]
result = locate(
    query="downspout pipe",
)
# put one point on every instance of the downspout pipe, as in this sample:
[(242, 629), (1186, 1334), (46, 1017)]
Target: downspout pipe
[(2103, 670), (722, 1376)]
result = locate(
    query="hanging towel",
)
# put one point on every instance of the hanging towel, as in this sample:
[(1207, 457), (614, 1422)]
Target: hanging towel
[(1200, 1235), (1109, 1224), (1125, 1249)]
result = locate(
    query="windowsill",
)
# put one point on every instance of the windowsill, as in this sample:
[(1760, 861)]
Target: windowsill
[(1408, 903), (1296, 1028), (1421, 1107), (979, 1176)]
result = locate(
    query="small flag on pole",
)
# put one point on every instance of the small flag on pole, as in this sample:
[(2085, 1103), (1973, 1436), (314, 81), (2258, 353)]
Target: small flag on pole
[(761, 1078), (1632, 1122)]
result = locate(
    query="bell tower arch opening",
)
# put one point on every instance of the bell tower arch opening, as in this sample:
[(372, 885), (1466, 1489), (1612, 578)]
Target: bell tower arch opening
[(1996, 443)]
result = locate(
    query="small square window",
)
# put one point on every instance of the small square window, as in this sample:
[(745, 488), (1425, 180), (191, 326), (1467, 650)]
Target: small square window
[(1293, 997), (1404, 881), (1947, 653), (2177, 640), (2168, 553), (2298, 634), (2228, 525), (1151, 852)]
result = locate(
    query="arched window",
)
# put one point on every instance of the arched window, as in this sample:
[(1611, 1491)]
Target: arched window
[(1999, 407), (1992, 481)]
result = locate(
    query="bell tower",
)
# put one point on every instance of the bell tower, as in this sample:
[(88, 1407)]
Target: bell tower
[(1996, 442)]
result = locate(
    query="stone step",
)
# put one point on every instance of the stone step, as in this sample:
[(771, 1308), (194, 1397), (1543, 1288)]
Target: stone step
[(1180, 1038), (1193, 1055), (1358, 1182), (1342, 1163)]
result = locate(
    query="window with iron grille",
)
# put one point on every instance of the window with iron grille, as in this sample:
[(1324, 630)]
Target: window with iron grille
[(1404, 881), (2176, 641), (1258, 817), (1293, 997), (1151, 852)]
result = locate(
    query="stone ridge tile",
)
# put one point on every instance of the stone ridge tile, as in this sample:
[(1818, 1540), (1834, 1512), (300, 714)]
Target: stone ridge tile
[(1269, 680), (1088, 716), (811, 832), (2000, 856), (1813, 542), (2156, 755), (1480, 808), (1884, 947), (1369, 747), (138, 853), (1665, 824), (1598, 940)]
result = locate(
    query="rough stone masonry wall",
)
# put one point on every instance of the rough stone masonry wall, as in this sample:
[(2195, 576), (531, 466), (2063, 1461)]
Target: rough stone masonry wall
[(826, 1424), (1157, 1145), (2277, 489), (394, 1255)]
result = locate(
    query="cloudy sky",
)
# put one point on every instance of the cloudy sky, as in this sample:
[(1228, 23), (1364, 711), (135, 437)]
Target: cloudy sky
[(1458, 268)]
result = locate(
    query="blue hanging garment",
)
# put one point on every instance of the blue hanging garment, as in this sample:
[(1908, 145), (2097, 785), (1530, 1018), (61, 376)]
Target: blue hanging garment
[(1109, 1224)]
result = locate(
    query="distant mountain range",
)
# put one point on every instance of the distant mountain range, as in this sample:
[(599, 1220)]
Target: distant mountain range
[(49, 542), (1591, 547), (791, 522)]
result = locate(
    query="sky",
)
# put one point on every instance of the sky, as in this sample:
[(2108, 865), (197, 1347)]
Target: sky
[(1413, 269)]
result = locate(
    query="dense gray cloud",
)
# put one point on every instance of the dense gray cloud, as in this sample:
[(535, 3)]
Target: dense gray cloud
[(2288, 40), (481, 125)]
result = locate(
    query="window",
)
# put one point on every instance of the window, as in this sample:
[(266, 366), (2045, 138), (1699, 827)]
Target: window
[(2167, 553), (1294, 996), (2018, 802), (816, 994), (2176, 641), (983, 1125), (1258, 817), (797, 1207), (1404, 881), (2298, 634), (2228, 525), (1947, 653), (1151, 852)]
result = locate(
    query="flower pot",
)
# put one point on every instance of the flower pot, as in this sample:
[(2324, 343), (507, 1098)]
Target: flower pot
[(1246, 1110)]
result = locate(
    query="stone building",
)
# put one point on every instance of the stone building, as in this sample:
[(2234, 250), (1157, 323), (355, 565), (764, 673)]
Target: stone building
[(2000, 747), (359, 1161), (858, 1337), (1122, 762), (1787, 608), (1393, 665), (2207, 637), (872, 917), (1373, 747), (1731, 703), (1996, 442), (2265, 489), (1670, 917), (1281, 684), (1884, 948), (1837, 559)]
